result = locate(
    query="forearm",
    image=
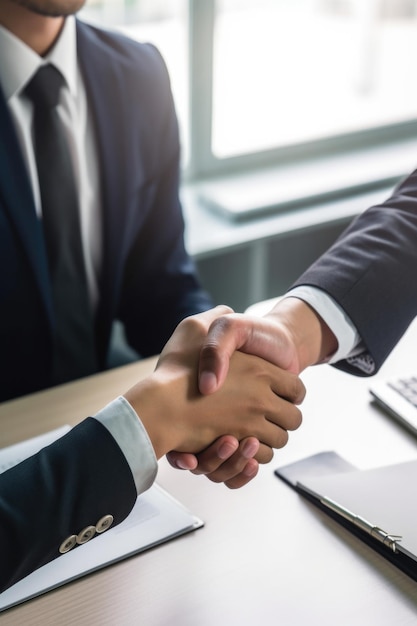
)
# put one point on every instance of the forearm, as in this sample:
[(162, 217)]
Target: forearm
[(369, 269), (55, 494)]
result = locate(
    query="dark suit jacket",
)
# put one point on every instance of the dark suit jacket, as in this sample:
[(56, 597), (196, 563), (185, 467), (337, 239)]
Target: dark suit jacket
[(57, 493), (371, 272), (148, 281)]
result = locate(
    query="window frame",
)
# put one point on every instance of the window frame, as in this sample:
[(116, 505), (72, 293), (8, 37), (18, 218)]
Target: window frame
[(203, 163)]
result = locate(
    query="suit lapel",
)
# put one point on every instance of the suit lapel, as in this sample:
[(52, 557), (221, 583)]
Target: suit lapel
[(17, 200), (101, 77)]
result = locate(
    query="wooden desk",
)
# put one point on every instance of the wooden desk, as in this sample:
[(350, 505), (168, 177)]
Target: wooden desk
[(265, 556)]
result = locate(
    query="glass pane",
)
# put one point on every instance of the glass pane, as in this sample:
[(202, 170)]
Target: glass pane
[(161, 22), (290, 71)]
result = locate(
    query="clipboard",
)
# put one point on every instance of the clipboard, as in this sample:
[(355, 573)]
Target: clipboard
[(377, 505)]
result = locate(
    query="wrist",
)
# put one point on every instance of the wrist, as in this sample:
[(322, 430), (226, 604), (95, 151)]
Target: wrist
[(312, 339), (149, 400)]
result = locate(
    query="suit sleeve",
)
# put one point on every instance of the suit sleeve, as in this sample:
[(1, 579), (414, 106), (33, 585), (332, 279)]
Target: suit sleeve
[(57, 493), (370, 272)]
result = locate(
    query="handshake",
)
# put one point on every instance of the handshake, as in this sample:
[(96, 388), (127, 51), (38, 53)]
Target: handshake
[(223, 395)]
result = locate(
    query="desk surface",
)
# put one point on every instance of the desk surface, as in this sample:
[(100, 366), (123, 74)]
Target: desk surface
[(265, 555)]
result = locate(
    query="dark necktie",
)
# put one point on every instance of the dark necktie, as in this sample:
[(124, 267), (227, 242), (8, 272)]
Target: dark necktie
[(74, 349)]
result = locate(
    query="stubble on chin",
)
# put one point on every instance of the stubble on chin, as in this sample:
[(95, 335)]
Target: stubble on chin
[(51, 8)]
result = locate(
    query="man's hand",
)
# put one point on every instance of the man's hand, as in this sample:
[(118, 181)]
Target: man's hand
[(291, 335), (256, 400), (261, 336), (225, 461)]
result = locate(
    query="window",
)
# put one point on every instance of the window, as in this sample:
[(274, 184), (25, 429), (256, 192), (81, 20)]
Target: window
[(299, 71), (262, 81)]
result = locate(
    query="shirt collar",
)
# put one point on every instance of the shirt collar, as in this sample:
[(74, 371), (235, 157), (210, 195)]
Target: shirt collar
[(19, 62)]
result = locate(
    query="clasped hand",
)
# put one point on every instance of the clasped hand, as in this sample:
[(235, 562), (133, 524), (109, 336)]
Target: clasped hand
[(224, 434)]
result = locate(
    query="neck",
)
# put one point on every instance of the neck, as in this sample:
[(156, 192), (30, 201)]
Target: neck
[(36, 31)]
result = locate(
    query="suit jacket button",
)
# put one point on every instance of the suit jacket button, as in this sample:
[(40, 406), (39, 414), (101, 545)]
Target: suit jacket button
[(86, 534), (104, 523), (68, 544)]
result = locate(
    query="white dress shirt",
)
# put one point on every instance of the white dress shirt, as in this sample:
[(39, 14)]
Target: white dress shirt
[(350, 346), (121, 420), (18, 64)]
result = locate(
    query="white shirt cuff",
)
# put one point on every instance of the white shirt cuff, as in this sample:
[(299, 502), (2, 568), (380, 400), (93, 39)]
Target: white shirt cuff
[(349, 341), (123, 423)]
